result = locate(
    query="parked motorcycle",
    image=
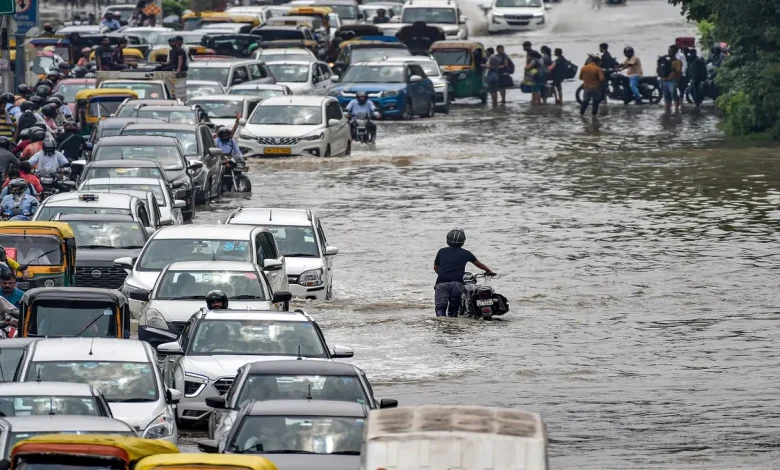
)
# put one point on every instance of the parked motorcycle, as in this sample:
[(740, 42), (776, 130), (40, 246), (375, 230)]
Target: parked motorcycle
[(619, 90), (360, 130), (481, 301), (234, 179), (707, 89)]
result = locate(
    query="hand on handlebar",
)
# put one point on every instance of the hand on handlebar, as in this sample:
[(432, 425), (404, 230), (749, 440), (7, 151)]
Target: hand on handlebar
[(490, 274)]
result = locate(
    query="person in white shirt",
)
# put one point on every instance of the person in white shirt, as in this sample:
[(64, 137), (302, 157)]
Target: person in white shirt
[(682, 83)]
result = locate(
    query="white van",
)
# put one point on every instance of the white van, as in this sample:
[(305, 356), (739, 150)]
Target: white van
[(436, 437)]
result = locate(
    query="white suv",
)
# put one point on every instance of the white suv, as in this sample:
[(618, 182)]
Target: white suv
[(442, 13), (516, 15), (300, 237)]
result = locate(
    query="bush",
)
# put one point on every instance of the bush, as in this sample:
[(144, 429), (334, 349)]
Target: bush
[(173, 7)]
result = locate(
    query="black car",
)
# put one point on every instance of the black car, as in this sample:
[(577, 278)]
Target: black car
[(165, 150), (100, 239), (111, 127), (198, 144), (281, 430)]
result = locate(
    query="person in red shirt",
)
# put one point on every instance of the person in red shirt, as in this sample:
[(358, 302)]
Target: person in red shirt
[(25, 173), (24, 141)]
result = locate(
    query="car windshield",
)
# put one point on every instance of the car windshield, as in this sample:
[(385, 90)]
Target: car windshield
[(345, 12), (161, 252), (429, 15), (174, 117), (187, 139), (41, 64), (298, 387), (103, 107), (118, 187), (190, 37), (518, 3), (307, 435), (210, 74), (296, 241), (26, 405), (9, 361), (144, 90), (187, 285), (279, 34), (35, 250), (107, 235), (222, 109), (70, 318), (374, 74), (452, 56), (123, 172), (167, 156), (194, 91), (48, 211), (290, 72), (282, 57), (119, 381), (262, 94), (364, 54), (69, 91), (430, 68), (287, 115), (256, 338)]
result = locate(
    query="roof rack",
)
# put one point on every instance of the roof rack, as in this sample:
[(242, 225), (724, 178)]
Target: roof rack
[(308, 214)]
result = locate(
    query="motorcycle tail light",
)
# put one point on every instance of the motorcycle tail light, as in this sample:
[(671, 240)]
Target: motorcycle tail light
[(485, 309)]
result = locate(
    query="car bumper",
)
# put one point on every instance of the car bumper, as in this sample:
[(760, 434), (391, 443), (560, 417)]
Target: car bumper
[(193, 410), (389, 106), (253, 148), (519, 23), (317, 293)]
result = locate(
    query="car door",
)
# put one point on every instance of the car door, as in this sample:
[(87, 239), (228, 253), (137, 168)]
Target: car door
[(341, 134), (171, 363), (417, 89), (211, 163), (153, 206), (327, 261), (266, 245), (143, 215), (324, 74)]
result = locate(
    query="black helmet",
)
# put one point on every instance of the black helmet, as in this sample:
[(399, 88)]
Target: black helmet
[(43, 91), (26, 106), (5, 143), (59, 96), (604, 46), (55, 101), (224, 133), (53, 75), (79, 72), (362, 94), (41, 126), (216, 296), (46, 82), (49, 111), (17, 186), (8, 98), (63, 66), (23, 90), (24, 134), (628, 51), (380, 10), (37, 101), (49, 146), (456, 238), (37, 134), (70, 125)]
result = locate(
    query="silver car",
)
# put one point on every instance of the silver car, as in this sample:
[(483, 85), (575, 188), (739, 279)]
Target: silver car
[(39, 398), (13, 430), (302, 77), (441, 85), (124, 370), (170, 208)]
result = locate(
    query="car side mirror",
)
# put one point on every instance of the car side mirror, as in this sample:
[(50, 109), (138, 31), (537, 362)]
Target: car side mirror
[(179, 204), (139, 294), (342, 352), (170, 349), (150, 230), (462, 19), (242, 122), (415, 79), (218, 403), (167, 222), (334, 78), (331, 251), (282, 296), (333, 122), (173, 396), (195, 165), (208, 446), (272, 265), (386, 403), (124, 263), (215, 152)]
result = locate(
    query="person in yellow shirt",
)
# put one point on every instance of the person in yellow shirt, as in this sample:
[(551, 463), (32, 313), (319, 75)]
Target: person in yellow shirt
[(11, 263)]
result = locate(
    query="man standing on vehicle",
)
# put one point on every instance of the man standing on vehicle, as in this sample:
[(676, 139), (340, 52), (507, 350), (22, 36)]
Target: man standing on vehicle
[(104, 55), (361, 104), (177, 56), (450, 265)]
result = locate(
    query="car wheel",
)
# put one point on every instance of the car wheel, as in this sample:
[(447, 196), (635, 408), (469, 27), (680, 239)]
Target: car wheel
[(408, 112), (348, 151), (327, 151)]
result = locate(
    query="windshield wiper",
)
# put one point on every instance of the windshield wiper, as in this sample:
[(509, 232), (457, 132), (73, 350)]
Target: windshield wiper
[(41, 256), (187, 297), (131, 400), (90, 324), (345, 452), (306, 255), (288, 452), (97, 247), (129, 247), (246, 296)]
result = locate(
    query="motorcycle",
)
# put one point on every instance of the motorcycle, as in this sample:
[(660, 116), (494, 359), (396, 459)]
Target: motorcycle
[(481, 301), (618, 88), (360, 129), (234, 178), (53, 183), (706, 89)]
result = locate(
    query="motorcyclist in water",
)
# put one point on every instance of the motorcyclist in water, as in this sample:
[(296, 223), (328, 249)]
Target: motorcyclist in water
[(361, 104), (633, 67), (228, 144), (450, 266), (18, 204)]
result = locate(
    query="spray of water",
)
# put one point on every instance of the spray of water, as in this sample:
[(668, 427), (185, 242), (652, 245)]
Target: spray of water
[(477, 22), (578, 16)]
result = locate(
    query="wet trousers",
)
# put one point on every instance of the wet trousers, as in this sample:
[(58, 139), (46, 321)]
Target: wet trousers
[(447, 298)]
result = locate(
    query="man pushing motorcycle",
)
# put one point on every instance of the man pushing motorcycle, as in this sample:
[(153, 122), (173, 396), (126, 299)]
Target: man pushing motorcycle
[(450, 265)]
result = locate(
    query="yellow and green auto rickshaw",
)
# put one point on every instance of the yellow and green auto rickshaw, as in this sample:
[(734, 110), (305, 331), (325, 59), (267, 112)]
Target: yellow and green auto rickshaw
[(86, 451), (205, 462), (463, 64), (46, 249), (55, 312), (323, 13), (94, 105), (222, 17)]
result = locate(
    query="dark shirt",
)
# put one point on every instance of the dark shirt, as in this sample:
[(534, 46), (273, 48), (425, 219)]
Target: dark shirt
[(106, 56), (173, 58), (381, 19), (6, 159), (452, 264), (70, 144), (117, 56), (608, 62), (26, 121), (561, 64)]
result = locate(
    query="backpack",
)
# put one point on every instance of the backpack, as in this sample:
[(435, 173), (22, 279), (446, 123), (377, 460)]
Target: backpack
[(510, 66), (570, 71), (698, 70), (664, 68)]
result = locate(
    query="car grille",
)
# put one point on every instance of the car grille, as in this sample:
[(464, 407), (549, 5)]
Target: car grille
[(519, 17), (292, 279), (517, 23), (107, 277), (277, 140), (223, 385)]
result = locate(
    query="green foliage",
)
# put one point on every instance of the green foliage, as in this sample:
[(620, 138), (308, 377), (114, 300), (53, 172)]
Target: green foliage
[(173, 7), (706, 34)]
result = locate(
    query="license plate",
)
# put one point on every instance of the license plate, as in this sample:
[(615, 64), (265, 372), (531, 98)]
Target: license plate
[(23, 285), (484, 303), (277, 151)]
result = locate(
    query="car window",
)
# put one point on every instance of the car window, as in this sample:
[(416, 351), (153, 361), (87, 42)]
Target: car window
[(333, 111), (298, 387), (250, 106), (187, 285), (324, 71), (269, 247), (322, 235), (161, 252), (240, 75), (295, 241), (32, 405), (208, 139), (143, 216), (256, 338), (316, 74), (417, 70), (260, 252), (256, 72)]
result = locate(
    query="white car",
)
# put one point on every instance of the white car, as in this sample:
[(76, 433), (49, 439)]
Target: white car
[(170, 208), (222, 109), (205, 359), (440, 83), (302, 77), (196, 88), (276, 54), (124, 370), (260, 90), (516, 15), (300, 237), (206, 243), (444, 14), (296, 125), (146, 33), (181, 289)]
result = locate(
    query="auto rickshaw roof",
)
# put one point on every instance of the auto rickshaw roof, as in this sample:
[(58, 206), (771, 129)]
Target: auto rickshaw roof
[(105, 92), (308, 20), (129, 449), (253, 462), (367, 44), (18, 227), (467, 45), (360, 30), (92, 294), (222, 17), (304, 10)]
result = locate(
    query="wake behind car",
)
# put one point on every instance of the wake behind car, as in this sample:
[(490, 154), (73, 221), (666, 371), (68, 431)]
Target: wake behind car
[(397, 90), (296, 125)]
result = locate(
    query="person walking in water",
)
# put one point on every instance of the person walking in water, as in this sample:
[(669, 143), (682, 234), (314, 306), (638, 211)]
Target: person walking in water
[(592, 76), (450, 266)]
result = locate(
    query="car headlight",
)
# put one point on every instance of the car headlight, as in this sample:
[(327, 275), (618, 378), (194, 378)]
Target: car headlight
[(245, 135), (311, 278), (194, 384), (153, 318), (311, 137), (390, 93), (439, 85), (538, 15), (160, 427), (498, 14)]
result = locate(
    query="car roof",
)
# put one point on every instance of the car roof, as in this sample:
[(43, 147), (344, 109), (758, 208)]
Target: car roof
[(270, 216), (220, 63), (267, 315), (65, 389), (307, 408), (16, 343), (225, 97), (205, 232), (61, 423), (124, 141), (334, 2), (148, 102), (121, 122), (125, 163), (377, 63), (285, 50), (89, 349), (203, 82), (411, 58), (125, 180), (95, 217), (296, 367), (168, 127), (258, 86), (172, 108), (300, 100), (292, 62), (105, 200), (211, 266)]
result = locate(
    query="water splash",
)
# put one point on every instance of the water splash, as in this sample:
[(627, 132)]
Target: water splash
[(477, 21)]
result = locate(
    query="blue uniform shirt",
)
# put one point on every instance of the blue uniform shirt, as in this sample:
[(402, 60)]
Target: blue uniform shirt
[(48, 163), (354, 107), (113, 25), (230, 148), (27, 205)]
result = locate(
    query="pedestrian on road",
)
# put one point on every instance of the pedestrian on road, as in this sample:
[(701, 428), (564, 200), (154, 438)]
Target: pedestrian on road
[(592, 76), (558, 74), (670, 71)]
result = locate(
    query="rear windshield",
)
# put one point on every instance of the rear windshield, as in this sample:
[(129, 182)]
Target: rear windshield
[(47, 212), (26, 405), (69, 318), (280, 34), (159, 253), (144, 90), (9, 360)]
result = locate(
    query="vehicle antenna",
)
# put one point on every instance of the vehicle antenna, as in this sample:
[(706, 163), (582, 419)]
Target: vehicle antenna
[(51, 406), (308, 396), (90, 345), (38, 374), (299, 353), (270, 215)]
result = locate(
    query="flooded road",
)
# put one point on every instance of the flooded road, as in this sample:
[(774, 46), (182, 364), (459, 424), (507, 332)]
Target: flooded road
[(638, 252)]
